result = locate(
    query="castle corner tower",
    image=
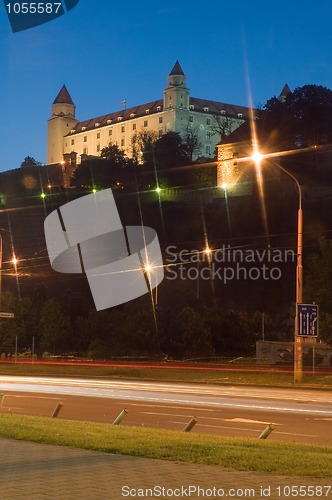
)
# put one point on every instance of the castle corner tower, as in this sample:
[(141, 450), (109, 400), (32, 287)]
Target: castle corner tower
[(60, 124), (176, 94)]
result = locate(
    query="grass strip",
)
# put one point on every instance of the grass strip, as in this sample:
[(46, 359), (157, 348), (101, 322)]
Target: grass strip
[(236, 453)]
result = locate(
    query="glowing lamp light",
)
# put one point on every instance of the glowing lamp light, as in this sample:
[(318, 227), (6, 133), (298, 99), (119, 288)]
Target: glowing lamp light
[(257, 157), (148, 268), (158, 190), (43, 195), (14, 261), (207, 251), (224, 185), (94, 190)]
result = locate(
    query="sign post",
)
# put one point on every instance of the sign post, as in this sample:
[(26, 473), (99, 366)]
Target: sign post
[(307, 317)]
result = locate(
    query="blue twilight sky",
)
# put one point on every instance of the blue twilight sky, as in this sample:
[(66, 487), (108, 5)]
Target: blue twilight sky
[(107, 51)]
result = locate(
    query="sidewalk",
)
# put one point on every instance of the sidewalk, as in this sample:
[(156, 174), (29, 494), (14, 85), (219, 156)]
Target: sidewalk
[(37, 471)]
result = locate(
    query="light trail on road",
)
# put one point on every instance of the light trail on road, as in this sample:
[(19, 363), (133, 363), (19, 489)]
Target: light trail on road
[(308, 401)]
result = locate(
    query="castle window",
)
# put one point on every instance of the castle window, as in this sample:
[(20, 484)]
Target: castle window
[(85, 151), (160, 119), (208, 134), (72, 142), (147, 111), (98, 135), (83, 128), (145, 124), (208, 150), (97, 124), (109, 121), (98, 148), (240, 115), (160, 133), (134, 126), (110, 132), (123, 128), (206, 109), (223, 111), (120, 118), (192, 107), (208, 121), (191, 118), (72, 131), (85, 138), (122, 142), (158, 108), (132, 115)]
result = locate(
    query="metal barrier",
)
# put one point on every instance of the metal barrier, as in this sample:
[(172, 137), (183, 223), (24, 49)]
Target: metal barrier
[(57, 410), (190, 424), (267, 431), (120, 417)]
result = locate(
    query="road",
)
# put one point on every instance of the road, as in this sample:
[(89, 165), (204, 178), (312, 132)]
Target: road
[(302, 415)]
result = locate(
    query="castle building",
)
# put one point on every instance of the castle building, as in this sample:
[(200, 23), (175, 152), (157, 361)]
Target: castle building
[(70, 140)]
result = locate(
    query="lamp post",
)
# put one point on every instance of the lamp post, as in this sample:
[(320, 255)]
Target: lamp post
[(298, 340)]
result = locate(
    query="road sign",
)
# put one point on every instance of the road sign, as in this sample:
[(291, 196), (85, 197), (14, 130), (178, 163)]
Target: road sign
[(6, 315), (307, 320)]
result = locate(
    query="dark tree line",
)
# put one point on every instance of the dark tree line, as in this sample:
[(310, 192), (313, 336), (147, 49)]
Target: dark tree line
[(62, 327)]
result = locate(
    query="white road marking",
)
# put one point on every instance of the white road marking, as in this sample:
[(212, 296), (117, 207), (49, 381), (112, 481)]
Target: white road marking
[(249, 421)]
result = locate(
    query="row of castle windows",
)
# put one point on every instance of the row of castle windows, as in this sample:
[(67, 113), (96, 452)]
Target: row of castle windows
[(145, 124), (147, 111), (123, 129)]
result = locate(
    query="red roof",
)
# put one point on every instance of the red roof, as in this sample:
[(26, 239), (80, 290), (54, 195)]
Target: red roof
[(177, 70), (63, 97), (150, 108)]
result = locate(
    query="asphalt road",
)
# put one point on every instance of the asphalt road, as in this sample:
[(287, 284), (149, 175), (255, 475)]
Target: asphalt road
[(301, 415)]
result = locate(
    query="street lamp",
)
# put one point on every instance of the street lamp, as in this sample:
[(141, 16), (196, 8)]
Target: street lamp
[(14, 261), (257, 157)]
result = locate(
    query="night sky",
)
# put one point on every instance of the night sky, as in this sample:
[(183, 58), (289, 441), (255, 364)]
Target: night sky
[(107, 51)]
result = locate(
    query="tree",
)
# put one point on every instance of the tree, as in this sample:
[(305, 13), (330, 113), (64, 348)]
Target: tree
[(143, 147), (191, 142), (54, 328), (170, 151), (188, 335), (113, 153), (221, 126), (310, 107), (318, 286), (303, 119), (107, 171), (29, 161)]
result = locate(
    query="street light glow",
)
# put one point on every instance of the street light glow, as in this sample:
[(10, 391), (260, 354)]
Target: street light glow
[(257, 157)]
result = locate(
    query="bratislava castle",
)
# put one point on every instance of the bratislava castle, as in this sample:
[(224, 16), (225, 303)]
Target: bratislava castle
[(70, 140)]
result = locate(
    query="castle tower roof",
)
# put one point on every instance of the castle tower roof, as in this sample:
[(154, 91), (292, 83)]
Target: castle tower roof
[(177, 70), (63, 97), (285, 91)]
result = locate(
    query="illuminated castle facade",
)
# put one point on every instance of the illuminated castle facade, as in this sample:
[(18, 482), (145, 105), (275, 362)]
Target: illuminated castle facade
[(70, 140)]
